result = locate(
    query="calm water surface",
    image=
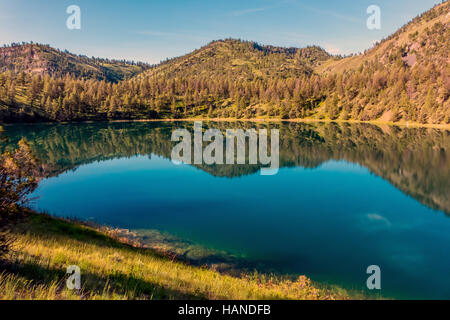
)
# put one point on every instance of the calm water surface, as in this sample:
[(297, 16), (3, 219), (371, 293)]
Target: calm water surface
[(345, 197)]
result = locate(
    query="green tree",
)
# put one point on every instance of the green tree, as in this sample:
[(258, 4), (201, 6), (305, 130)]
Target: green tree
[(19, 176)]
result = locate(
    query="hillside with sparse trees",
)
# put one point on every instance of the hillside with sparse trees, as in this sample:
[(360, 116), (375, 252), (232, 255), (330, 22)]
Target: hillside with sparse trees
[(404, 78)]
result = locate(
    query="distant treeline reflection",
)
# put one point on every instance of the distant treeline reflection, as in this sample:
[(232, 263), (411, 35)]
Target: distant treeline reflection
[(414, 160)]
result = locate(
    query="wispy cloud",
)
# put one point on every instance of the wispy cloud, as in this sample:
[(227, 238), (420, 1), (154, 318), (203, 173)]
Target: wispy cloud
[(251, 10), (259, 9)]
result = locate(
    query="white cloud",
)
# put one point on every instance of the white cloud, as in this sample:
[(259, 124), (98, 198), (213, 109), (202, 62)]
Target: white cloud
[(332, 49)]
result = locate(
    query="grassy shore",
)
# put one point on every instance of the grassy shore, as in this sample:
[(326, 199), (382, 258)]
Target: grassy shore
[(43, 247)]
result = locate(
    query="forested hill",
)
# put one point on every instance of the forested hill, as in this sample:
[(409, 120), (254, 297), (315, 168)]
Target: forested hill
[(405, 78), (42, 59), (242, 60)]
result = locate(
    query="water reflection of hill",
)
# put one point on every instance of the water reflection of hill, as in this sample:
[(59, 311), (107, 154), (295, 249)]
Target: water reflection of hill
[(416, 160)]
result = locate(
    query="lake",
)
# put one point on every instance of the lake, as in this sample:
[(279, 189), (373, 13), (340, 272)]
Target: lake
[(346, 196)]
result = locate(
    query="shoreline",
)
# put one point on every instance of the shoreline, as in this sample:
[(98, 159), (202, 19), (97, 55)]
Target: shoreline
[(277, 120), (255, 120), (49, 244)]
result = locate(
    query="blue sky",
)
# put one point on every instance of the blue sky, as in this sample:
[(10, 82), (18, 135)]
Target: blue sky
[(153, 30)]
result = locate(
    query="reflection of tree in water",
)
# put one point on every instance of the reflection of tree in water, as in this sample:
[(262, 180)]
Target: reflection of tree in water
[(415, 160)]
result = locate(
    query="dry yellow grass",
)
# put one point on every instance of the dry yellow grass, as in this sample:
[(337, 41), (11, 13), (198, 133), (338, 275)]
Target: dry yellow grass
[(44, 247)]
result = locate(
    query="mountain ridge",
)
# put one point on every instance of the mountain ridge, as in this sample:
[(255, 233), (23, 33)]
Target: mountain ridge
[(403, 79), (237, 54), (43, 60)]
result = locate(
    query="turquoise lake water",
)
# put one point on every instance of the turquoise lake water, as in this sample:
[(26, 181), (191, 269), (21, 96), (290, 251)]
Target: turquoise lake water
[(345, 197)]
